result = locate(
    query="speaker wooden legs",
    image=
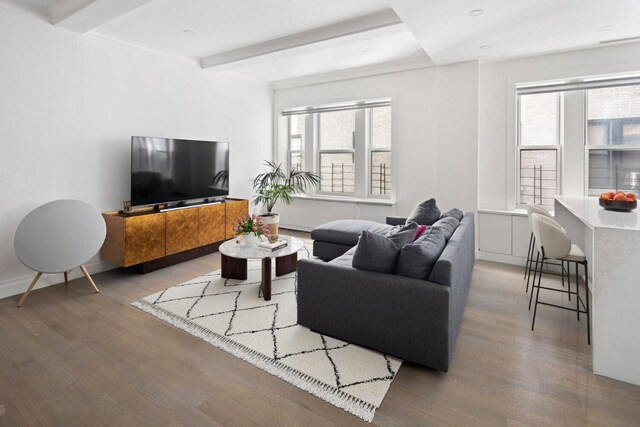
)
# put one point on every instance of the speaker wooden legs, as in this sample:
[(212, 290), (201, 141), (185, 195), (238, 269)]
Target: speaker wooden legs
[(28, 291), (66, 282), (86, 273)]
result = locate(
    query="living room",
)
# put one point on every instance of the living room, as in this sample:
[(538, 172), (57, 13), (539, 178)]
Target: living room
[(404, 119)]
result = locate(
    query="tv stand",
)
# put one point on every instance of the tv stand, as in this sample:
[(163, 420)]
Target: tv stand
[(150, 239)]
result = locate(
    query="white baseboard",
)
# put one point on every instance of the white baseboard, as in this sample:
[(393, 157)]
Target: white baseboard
[(17, 286)]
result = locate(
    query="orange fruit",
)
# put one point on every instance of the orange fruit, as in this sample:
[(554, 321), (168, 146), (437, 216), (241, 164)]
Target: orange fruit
[(605, 196), (620, 197)]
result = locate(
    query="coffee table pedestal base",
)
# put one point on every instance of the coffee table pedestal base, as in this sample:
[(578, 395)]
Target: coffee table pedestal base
[(236, 268)]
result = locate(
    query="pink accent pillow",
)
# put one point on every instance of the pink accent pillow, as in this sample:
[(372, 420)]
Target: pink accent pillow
[(419, 231)]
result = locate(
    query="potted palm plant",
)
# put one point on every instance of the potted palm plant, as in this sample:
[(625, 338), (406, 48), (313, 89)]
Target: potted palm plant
[(274, 185)]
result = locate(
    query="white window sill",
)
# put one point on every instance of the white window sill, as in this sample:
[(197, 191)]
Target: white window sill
[(356, 200)]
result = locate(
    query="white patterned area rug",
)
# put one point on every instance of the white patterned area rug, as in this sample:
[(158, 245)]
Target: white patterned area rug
[(233, 316)]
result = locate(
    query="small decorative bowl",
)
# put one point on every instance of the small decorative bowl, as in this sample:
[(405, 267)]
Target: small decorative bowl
[(618, 205)]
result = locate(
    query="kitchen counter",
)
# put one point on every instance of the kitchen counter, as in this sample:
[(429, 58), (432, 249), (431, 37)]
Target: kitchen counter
[(611, 241)]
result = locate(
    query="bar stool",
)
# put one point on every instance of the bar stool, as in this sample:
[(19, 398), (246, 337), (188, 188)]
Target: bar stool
[(552, 241), (531, 209)]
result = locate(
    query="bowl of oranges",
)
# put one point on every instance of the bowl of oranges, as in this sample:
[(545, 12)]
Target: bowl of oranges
[(619, 201)]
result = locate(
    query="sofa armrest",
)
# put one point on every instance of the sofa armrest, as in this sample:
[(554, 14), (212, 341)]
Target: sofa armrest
[(396, 220), (397, 315)]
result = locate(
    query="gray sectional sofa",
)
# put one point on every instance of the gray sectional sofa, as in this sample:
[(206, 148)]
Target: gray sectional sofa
[(415, 320)]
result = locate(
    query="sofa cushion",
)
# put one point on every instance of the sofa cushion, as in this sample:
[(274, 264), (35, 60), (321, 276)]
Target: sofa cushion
[(417, 259), (375, 252), (401, 235), (455, 213), (347, 231), (346, 259), (448, 225), (425, 213)]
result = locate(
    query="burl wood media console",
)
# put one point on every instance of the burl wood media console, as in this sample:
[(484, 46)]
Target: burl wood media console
[(149, 240)]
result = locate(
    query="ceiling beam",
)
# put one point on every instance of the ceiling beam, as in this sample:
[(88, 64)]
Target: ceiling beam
[(254, 53), (26, 9), (84, 15)]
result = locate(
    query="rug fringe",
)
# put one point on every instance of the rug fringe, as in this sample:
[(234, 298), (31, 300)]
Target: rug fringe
[(333, 395)]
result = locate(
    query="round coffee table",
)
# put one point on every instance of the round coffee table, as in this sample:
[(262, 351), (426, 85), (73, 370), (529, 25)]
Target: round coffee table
[(235, 256)]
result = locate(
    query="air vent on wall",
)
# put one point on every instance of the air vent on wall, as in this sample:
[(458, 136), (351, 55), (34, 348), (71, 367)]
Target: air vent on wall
[(624, 40)]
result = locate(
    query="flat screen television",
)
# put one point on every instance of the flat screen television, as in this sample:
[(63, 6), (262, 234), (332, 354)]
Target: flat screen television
[(165, 170)]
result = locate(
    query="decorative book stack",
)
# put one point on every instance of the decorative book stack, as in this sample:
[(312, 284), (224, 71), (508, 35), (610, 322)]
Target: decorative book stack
[(278, 244)]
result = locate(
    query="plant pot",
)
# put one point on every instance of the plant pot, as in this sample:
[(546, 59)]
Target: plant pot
[(272, 221)]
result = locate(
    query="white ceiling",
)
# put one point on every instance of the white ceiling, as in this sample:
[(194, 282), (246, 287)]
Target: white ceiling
[(514, 28), (283, 39), (223, 25)]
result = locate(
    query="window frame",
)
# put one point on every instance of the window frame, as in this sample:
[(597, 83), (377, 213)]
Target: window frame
[(362, 150), (556, 147), (588, 191), (290, 151)]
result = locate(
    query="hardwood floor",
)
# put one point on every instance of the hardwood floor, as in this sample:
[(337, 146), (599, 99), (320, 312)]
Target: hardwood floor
[(70, 357)]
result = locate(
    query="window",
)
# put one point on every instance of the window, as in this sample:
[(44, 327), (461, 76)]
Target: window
[(613, 139), (296, 142), (539, 145), (337, 151), (380, 151), (349, 145)]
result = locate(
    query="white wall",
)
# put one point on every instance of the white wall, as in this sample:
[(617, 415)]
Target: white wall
[(434, 137), (497, 136), (69, 104)]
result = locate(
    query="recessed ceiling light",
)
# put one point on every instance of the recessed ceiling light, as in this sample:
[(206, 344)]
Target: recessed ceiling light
[(190, 32), (606, 28), (485, 46), (367, 51), (476, 12)]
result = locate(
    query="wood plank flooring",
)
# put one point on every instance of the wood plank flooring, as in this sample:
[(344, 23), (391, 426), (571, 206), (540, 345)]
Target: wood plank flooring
[(70, 357)]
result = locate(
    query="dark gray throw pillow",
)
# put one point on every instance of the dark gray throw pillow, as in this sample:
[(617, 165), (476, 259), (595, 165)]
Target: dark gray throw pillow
[(448, 226), (425, 213), (401, 235), (417, 259), (455, 213), (375, 252)]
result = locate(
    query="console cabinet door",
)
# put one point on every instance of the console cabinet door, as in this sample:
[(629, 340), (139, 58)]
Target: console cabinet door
[(211, 224), (235, 209), (144, 238), (182, 230)]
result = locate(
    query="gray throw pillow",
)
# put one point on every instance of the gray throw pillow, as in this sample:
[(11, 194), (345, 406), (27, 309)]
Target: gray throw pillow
[(455, 213), (417, 259), (425, 213), (375, 252), (401, 235), (448, 226)]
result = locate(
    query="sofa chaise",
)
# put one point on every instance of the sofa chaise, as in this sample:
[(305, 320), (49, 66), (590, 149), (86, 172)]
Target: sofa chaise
[(415, 320)]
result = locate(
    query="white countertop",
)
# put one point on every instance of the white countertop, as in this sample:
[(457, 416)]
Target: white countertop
[(592, 214)]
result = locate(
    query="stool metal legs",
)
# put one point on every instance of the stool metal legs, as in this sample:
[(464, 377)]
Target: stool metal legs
[(581, 305)]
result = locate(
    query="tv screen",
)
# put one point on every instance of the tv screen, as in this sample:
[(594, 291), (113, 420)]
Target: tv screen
[(171, 170)]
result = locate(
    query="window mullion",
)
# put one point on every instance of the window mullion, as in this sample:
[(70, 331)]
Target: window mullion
[(360, 145)]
